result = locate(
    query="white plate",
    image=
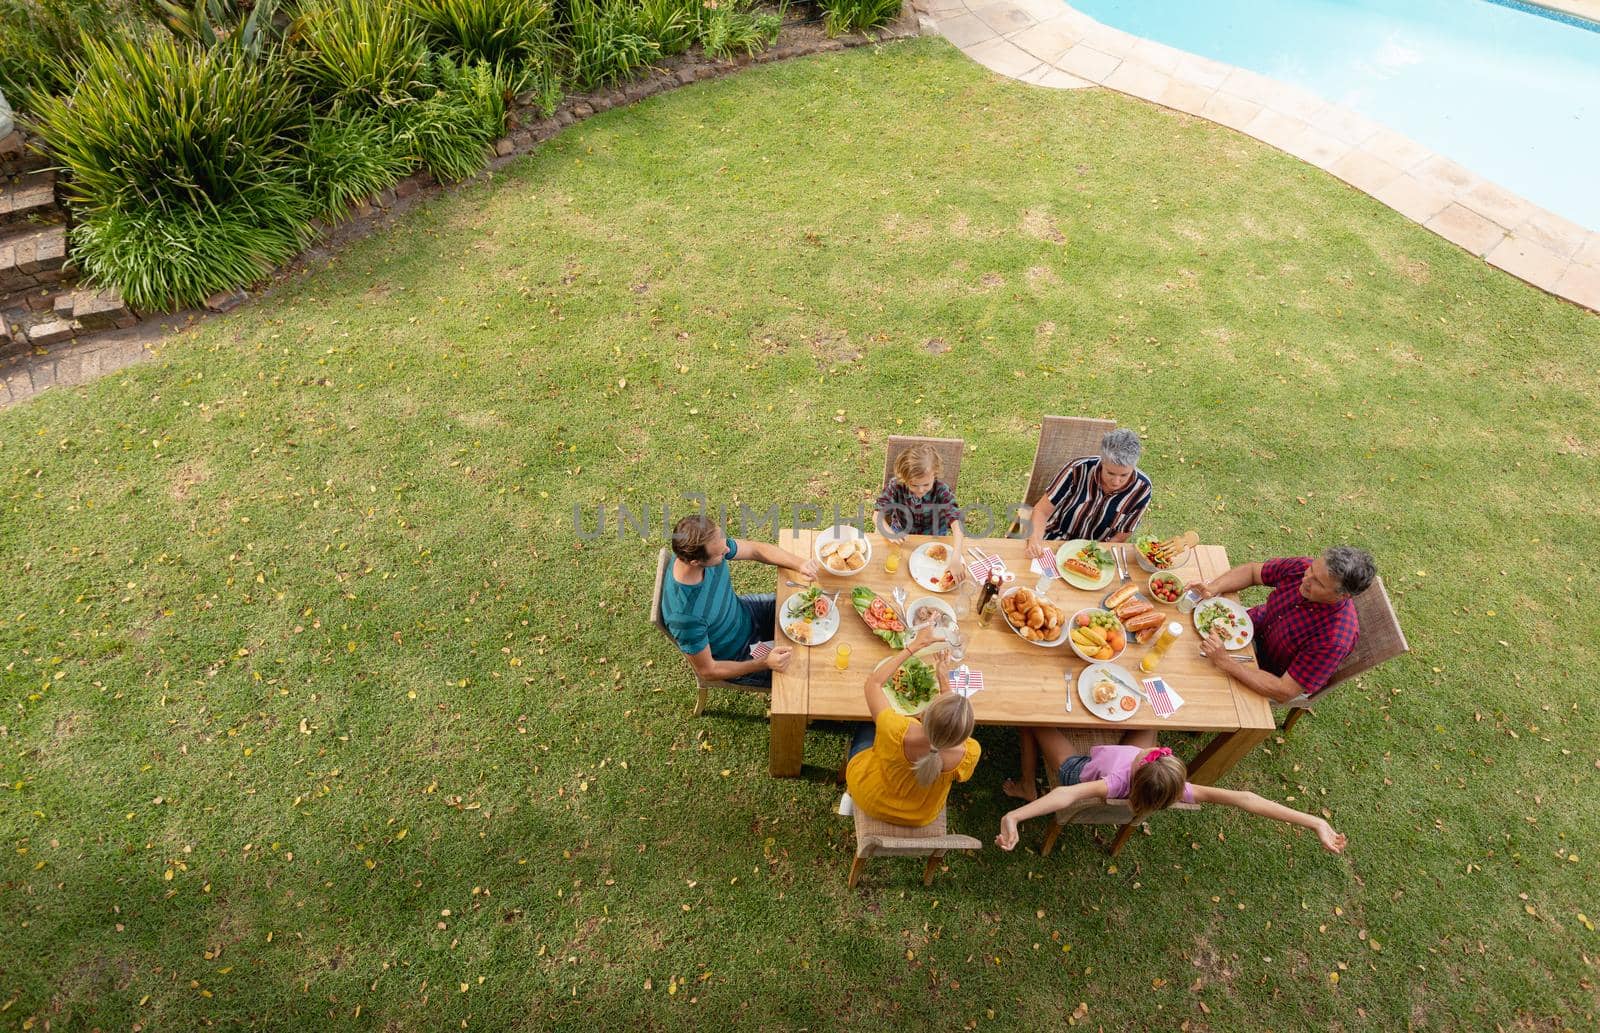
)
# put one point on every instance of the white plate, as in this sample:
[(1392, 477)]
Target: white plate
[(1072, 622), (1112, 711), (821, 631), (1241, 638), (926, 656), (1053, 643), (916, 605), (1107, 572), (837, 533), (925, 570)]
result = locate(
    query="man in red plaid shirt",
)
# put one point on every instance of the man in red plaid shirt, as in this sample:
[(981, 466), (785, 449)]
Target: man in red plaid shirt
[(1306, 627)]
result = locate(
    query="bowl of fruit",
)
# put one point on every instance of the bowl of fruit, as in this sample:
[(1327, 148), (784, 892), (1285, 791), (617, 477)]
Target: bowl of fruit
[(1097, 635), (1165, 587)]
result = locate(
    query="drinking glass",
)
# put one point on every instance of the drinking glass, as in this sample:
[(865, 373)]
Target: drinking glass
[(1188, 600), (841, 656), (891, 558)]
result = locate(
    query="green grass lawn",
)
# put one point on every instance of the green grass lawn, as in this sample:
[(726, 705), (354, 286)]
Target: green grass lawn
[(313, 705)]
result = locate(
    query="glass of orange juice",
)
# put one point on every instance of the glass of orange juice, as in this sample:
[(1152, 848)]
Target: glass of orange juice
[(841, 656), (891, 558)]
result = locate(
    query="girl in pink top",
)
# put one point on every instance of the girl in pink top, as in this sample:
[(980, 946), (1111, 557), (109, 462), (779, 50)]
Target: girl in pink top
[(1151, 779)]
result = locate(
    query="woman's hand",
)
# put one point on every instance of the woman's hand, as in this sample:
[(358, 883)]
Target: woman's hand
[(1007, 839), (925, 638), (1035, 548), (1332, 841)]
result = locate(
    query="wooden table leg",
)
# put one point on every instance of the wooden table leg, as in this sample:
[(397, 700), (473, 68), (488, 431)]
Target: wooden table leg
[(787, 750), (1221, 754)]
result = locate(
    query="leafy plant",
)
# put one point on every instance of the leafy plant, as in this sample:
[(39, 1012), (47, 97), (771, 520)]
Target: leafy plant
[(515, 37), (350, 155), (182, 165), (174, 257), (450, 131), (857, 15), (211, 22), (607, 42), (673, 24), (726, 30), (361, 51), (41, 42)]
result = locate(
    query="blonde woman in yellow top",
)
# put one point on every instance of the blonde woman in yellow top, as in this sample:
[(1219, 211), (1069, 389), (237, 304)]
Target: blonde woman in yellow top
[(901, 768)]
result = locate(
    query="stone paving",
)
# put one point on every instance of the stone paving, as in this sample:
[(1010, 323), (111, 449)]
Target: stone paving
[(1049, 43), (72, 364)]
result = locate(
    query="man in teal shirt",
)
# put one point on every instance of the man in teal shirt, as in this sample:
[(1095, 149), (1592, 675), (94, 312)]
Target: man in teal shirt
[(714, 627)]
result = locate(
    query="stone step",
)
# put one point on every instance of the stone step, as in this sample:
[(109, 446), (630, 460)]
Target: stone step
[(49, 328), (101, 309), (29, 202), (31, 258)]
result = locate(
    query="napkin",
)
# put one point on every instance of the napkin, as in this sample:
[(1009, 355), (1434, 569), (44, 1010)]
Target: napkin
[(1164, 699), (760, 650), (979, 569), (966, 682)]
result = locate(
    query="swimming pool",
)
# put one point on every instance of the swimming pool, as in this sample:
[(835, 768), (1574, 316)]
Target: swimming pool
[(1511, 94)]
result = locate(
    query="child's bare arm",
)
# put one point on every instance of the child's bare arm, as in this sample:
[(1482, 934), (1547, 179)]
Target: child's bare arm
[(1057, 799), (1255, 804)]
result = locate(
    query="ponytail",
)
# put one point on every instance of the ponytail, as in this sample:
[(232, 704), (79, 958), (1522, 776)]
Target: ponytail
[(947, 722)]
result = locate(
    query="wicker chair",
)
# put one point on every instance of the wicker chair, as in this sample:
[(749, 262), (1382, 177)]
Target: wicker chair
[(949, 450), (876, 838), (1096, 812), (663, 567), (1380, 641), (1061, 440)]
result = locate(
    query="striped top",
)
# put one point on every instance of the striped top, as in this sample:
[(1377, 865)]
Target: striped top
[(1081, 509), (708, 613)]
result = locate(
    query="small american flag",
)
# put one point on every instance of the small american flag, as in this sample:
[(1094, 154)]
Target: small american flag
[(965, 682), (760, 650), (979, 569), (1164, 699), (1047, 565)]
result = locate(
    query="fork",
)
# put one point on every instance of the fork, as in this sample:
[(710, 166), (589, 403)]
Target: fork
[(1121, 556)]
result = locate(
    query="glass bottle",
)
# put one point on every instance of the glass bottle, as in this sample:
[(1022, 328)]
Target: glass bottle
[(1169, 634), (988, 599)]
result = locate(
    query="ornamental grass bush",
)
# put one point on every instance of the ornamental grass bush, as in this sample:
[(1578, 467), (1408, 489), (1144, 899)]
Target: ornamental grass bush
[(42, 43), (183, 167), (514, 37), (839, 16)]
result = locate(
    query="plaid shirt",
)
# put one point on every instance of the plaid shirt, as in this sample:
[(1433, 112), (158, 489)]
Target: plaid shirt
[(1295, 636), (908, 514)]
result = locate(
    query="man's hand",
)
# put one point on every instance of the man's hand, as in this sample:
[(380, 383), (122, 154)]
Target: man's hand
[(1212, 649), (778, 659), (809, 569), (1203, 587), (1007, 839), (1332, 841)]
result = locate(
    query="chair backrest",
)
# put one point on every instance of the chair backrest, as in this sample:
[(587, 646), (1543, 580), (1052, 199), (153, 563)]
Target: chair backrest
[(1061, 440), (1381, 638), (663, 564), (949, 450), (1108, 812)]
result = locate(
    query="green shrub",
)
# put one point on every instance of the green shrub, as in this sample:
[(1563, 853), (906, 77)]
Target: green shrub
[(607, 41), (182, 164), (365, 52), (514, 37), (172, 258), (451, 130), (858, 15), (726, 31), (41, 43), (350, 155), (673, 24), (250, 26)]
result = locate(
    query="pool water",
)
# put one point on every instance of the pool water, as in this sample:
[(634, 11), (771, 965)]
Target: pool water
[(1511, 94)]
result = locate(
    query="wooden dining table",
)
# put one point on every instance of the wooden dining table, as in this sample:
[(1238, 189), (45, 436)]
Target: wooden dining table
[(1024, 683)]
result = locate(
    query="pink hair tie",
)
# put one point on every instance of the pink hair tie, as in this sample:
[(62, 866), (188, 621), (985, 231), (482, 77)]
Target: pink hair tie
[(1155, 754)]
